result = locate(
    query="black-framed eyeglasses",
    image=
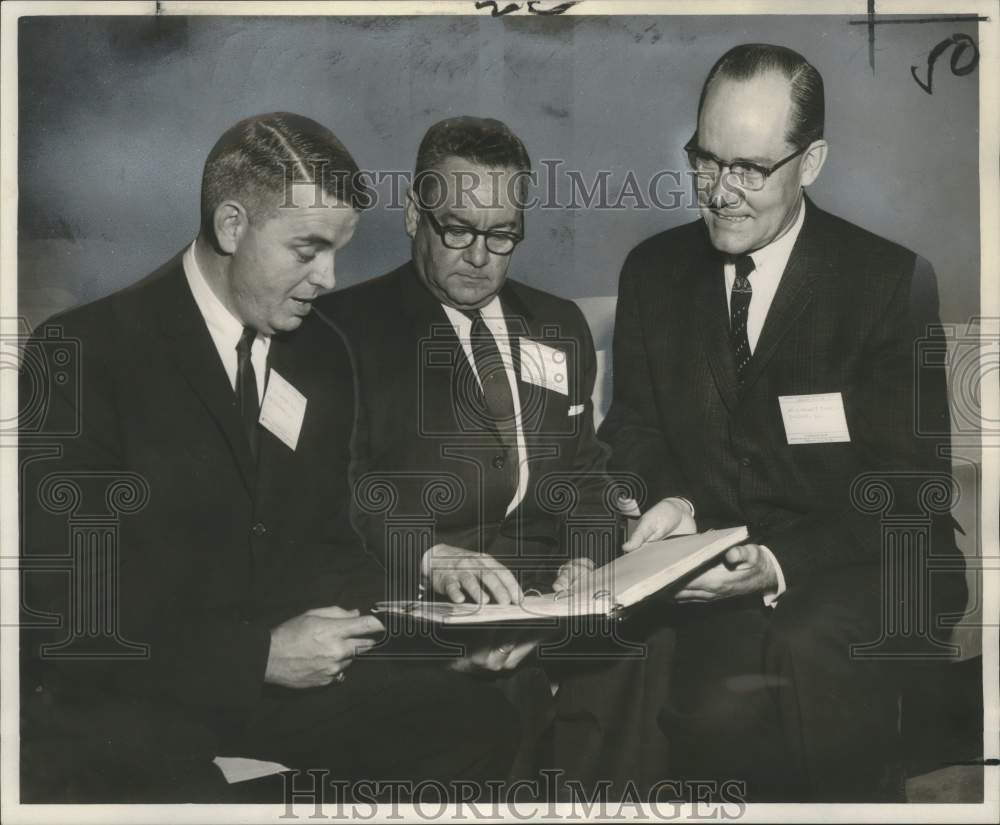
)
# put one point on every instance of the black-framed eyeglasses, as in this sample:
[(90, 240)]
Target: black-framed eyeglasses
[(455, 236), (747, 174)]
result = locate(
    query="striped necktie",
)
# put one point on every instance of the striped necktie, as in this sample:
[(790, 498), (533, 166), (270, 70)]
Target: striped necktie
[(739, 305)]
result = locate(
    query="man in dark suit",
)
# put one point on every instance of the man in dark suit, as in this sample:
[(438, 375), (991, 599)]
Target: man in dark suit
[(764, 374), (475, 389), (210, 428), (478, 472)]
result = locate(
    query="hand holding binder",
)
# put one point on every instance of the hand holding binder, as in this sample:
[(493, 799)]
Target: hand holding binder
[(571, 572), (743, 570), (605, 591)]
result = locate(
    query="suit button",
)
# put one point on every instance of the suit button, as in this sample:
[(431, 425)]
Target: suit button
[(498, 462), (746, 462), (258, 529)]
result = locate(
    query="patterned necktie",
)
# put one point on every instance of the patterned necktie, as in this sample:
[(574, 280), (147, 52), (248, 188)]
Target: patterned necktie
[(246, 388), (739, 305)]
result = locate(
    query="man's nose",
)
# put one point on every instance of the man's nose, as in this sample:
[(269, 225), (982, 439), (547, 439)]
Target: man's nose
[(323, 273), (477, 254), (723, 193)]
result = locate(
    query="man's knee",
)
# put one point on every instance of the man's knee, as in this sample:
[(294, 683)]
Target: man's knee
[(736, 704), (480, 712), (827, 616)]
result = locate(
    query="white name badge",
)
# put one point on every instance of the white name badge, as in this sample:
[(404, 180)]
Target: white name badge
[(544, 366), (814, 419), (283, 411)]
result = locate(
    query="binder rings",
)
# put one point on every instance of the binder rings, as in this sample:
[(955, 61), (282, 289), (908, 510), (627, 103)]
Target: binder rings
[(604, 592)]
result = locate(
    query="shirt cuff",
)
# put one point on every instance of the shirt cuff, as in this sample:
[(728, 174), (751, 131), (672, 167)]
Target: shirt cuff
[(686, 502), (688, 526), (771, 599), (628, 506)]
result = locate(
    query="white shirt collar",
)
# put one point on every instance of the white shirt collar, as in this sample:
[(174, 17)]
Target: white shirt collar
[(492, 315), (221, 322), (225, 329), (769, 265)]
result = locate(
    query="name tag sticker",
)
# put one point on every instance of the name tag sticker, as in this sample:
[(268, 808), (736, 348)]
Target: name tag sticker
[(814, 419), (544, 366), (283, 411)]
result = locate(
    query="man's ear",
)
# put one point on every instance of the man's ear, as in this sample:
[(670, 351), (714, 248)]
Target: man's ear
[(412, 214), (230, 222), (813, 160)]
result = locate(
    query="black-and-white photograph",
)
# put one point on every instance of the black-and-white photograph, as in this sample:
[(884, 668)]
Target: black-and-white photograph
[(500, 411)]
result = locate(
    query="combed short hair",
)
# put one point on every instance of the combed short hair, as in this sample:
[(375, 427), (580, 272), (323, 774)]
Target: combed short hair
[(750, 60), (255, 160), (484, 141)]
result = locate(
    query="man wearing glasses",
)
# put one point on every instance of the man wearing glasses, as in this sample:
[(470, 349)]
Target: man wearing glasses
[(475, 392), (763, 365)]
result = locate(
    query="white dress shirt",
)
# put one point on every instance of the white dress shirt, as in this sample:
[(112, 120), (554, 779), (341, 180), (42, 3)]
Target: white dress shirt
[(225, 329), (769, 263), (493, 318)]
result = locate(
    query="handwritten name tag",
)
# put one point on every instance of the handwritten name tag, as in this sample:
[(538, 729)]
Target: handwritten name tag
[(283, 411), (814, 419), (544, 366)]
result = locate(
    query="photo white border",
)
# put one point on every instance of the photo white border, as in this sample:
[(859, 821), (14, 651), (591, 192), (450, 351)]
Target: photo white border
[(989, 113)]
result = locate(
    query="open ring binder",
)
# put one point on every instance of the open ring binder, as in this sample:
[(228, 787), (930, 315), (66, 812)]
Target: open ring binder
[(613, 588)]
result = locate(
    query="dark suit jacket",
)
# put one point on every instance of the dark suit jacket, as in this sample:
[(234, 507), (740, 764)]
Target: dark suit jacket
[(213, 551), (847, 318), (429, 471)]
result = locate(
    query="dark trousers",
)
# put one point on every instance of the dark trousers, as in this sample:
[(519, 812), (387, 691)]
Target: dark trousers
[(389, 720), (611, 688), (774, 697)]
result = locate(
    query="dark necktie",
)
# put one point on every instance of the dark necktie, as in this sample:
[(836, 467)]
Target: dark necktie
[(739, 305), (492, 376), (497, 397), (246, 388)]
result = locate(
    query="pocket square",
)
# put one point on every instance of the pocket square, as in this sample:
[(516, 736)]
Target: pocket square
[(576, 409)]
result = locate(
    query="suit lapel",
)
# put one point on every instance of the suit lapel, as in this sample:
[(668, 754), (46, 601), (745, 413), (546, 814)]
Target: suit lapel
[(520, 323), (795, 292), (712, 317), (189, 343), (538, 414), (433, 336)]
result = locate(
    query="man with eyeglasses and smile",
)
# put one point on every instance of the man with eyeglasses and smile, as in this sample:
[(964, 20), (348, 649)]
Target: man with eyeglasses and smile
[(763, 372)]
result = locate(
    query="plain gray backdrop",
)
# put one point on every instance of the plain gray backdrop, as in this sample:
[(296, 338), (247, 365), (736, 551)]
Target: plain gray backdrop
[(118, 113)]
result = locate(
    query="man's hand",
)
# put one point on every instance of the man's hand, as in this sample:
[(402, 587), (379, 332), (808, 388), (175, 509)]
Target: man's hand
[(315, 648), (456, 573), (571, 572), (503, 650), (671, 517), (743, 570)]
